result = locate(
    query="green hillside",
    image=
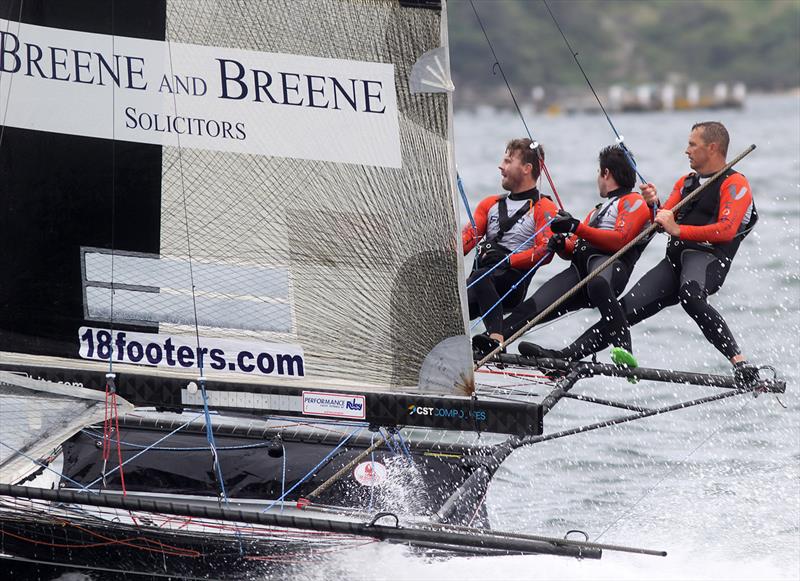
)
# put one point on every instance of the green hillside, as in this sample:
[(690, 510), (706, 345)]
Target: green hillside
[(628, 41)]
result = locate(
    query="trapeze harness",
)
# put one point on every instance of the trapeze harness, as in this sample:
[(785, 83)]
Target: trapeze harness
[(485, 293), (601, 292), (690, 272)]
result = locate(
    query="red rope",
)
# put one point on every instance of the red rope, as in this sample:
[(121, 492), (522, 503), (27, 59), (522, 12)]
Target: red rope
[(110, 425), (119, 446), (550, 181)]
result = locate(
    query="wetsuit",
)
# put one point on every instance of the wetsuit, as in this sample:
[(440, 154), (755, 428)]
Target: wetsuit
[(506, 223), (607, 228), (696, 263)]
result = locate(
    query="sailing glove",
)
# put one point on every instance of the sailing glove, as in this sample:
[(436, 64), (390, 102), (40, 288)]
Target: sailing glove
[(490, 253), (564, 223), (556, 243)]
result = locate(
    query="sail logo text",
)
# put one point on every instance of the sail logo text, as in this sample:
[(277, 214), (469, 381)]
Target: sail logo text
[(456, 413), (335, 405), (255, 358), (195, 96)]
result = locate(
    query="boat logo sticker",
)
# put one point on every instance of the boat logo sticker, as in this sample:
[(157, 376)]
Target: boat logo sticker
[(182, 352), (371, 473), (334, 405)]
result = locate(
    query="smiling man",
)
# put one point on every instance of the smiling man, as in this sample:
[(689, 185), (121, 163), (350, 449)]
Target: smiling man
[(511, 236), (703, 239)]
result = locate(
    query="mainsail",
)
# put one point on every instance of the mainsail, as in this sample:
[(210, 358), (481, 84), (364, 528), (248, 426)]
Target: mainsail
[(194, 180)]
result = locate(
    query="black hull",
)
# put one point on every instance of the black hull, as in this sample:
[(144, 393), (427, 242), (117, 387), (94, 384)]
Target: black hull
[(420, 479)]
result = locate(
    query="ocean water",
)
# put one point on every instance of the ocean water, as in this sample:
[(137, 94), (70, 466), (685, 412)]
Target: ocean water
[(716, 486)]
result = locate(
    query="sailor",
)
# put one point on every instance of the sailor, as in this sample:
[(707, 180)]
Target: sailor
[(511, 236), (610, 226), (703, 240)]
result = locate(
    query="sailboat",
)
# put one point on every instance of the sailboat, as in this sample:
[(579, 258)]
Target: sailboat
[(233, 315)]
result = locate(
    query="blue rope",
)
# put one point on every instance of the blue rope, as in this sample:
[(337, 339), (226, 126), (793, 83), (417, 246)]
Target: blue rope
[(171, 449), (508, 258), (46, 467), (172, 433), (516, 284), (466, 202), (314, 469), (210, 438), (403, 445)]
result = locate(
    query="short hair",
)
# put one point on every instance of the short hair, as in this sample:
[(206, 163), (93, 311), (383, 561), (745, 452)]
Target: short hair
[(614, 159), (528, 154), (714, 132)]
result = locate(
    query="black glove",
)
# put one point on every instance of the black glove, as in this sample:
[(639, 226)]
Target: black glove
[(556, 243), (490, 253), (564, 223)]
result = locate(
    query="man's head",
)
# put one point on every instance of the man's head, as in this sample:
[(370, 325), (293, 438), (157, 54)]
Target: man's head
[(708, 147), (520, 167), (616, 170)]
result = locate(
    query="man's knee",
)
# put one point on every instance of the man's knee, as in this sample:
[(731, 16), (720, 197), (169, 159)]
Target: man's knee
[(691, 295), (600, 288)]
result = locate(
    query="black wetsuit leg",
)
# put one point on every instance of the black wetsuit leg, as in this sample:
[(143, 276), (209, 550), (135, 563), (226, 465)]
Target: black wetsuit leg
[(702, 274), (603, 291), (657, 289), (545, 296), (488, 291)]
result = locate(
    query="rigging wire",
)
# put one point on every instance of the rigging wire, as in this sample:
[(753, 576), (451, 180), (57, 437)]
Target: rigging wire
[(46, 467), (508, 258), (674, 469), (315, 468), (111, 417), (620, 139), (499, 67), (151, 446), (2, 70), (202, 379), (530, 272)]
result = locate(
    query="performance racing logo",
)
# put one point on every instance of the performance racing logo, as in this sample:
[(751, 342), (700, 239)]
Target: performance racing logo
[(334, 405)]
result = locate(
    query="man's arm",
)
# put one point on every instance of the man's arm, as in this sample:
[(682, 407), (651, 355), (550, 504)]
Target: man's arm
[(632, 215), (735, 198), (470, 236)]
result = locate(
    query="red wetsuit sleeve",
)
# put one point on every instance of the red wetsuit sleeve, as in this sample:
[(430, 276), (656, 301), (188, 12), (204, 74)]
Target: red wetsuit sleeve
[(675, 196), (735, 198), (632, 215), (470, 237), (543, 210), (569, 247)]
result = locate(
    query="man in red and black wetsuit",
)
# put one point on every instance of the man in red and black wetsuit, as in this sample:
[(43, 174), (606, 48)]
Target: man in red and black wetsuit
[(704, 238), (607, 228), (504, 233)]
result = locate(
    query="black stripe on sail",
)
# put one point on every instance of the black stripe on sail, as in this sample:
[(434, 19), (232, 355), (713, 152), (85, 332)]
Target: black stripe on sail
[(63, 192)]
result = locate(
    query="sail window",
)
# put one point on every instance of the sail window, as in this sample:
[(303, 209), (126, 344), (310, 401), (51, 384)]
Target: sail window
[(153, 289)]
